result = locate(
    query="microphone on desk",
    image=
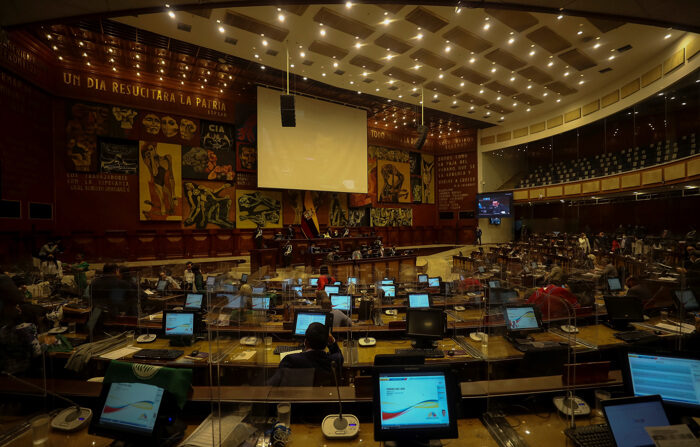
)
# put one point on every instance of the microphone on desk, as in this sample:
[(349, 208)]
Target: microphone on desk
[(70, 419), (337, 426)]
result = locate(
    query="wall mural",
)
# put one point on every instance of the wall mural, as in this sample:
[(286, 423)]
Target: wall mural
[(262, 208), (428, 175), (207, 164), (124, 122), (217, 136), (393, 181), (208, 205), (293, 200), (371, 197), (246, 139), (160, 181), (359, 217), (391, 217), (84, 123), (169, 128), (338, 210), (118, 156)]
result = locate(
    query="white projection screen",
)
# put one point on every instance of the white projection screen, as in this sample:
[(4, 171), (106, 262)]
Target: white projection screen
[(326, 151)]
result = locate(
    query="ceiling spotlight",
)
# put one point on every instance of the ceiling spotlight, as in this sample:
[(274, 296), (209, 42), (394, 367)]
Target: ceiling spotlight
[(472, 60), (335, 64), (510, 41), (550, 63), (435, 95), (529, 86), (579, 32), (461, 84), (532, 53), (352, 82), (498, 98), (447, 49), (358, 45), (60, 58), (323, 74), (611, 57), (545, 94), (581, 82), (348, 5), (493, 70), (280, 17), (386, 22), (419, 36), (481, 91), (364, 73), (389, 56), (454, 102), (527, 110), (566, 73), (171, 14), (264, 42), (323, 32), (221, 29), (114, 68), (597, 45), (415, 88), (667, 36), (441, 76), (558, 99), (559, 17), (512, 78), (487, 26), (471, 108), (515, 104), (416, 67), (302, 54)]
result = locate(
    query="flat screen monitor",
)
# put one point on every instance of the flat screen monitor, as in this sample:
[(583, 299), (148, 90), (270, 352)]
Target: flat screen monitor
[(297, 290), (494, 283), (389, 291), (614, 284), (521, 319), (261, 302), (352, 280), (258, 290), (623, 310), (229, 288), (193, 301), (422, 279), (162, 284), (495, 220), (686, 300), (130, 411), (481, 269), (414, 403), (313, 282), (211, 280), (418, 300), (244, 278), (337, 283), (676, 379), (232, 301), (434, 282), (302, 320), (331, 289), (341, 302), (494, 204), (425, 326), (498, 296), (387, 281), (178, 324), (627, 418)]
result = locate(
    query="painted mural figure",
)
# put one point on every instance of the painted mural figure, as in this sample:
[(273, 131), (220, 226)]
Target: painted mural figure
[(393, 188), (259, 209), (207, 207), (162, 181), (337, 214)]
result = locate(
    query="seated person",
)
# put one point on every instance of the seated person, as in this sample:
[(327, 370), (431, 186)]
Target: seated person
[(553, 300), (112, 293), (316, 339), (638, 290), (325, 278), (18, 340), (164, 275), (609, 271), (51, 267), (339, 317), (555, 276)]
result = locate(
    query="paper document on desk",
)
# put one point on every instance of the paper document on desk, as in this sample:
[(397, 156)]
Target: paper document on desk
[(119, 353), (231, 427), (685, 328), (672, 436), (243, 356), (148, 292), (285, 354)]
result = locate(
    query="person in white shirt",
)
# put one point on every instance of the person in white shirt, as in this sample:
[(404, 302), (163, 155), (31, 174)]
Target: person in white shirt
[(51, 267), (584, 244), (188, 276)]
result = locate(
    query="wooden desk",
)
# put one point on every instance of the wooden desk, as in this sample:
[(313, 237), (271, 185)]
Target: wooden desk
[(372, 270)]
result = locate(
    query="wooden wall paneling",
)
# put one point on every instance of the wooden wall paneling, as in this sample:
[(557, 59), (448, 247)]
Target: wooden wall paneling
[(116, 247), (465, 235), (405, 236), (172, 244), (85, 242), (365, 273), (694, 166), (222, 243), (144, 245), (244, 241), (610, 183), (201, 244), (448, 234), (393, 269), (674, 171), (631, 180), (652, 176)]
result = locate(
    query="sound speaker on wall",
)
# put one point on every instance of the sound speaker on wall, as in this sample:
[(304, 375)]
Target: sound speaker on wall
[(287, 111), (422, 133)]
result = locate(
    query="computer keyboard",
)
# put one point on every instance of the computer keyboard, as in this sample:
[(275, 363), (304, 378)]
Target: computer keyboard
[(635, 336), (427, 353), (591, 436), (158, 354), (282, 349)]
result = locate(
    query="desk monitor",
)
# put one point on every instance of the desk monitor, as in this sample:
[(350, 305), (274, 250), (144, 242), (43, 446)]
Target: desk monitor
[(261, 302), (387, 282), (481, 269), (297, 291), (627, 418), (425, 326), (303, 319), (331, 289), (685, 300), (137, 413), (414, 404), (211, 280), (418, 300), (434, 282), (341, 302), (352, 280), (313, 282), (178, 324), (244, 278), (162, 285), (232, 301), (494, 283), (676, 378), (194, 301), (422, 279), (521, 320), (623, 310), (258, 290), (389, 291), (614, 284), (229, 288), (498, 296)]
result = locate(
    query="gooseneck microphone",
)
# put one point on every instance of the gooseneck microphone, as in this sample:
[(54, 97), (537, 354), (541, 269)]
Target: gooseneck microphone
[(337, 426)]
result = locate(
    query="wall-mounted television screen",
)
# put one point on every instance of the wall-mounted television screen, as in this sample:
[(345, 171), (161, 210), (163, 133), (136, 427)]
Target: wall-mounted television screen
[(494, 204)]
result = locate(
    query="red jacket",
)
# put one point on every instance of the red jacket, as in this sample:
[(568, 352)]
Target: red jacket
[(550, 300), (324, 280)]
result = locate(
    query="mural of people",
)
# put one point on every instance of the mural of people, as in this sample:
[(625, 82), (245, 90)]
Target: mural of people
[(338, 212), (208, 205), (391, 217), (217, 136), (151, 124), (118, 156), (393, 181), (85, 123), (160, 185), (123, 122), (169, 126), (188, 129), (200, 163), (255, 208), (428, 175), (247, 157), (358, 217)]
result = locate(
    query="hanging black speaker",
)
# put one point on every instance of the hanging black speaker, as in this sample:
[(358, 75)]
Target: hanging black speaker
[(287, 111), (422, 134)]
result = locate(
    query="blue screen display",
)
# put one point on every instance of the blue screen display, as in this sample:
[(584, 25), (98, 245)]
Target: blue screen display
[(261, 303), (131, 407), (194, 301), (418, 300), (495, 283), (433, 282), (521, 318), (413, 400), (331, 289), (341, 302), (674, 379), (614, 284), (305, 319), (352, 280), (179, 324), (389, 291), (313, 281)]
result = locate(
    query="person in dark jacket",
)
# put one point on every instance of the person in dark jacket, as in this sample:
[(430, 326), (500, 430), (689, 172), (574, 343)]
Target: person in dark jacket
[(112, 293), (315, 356)]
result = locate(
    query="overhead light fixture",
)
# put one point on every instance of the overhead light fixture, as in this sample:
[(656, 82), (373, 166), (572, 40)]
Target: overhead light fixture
[(419, 36), (596, 46), (579, 32), (667, 36), (447, 49), (611, 57), (348, 5), (264, 42), (472, 60), (511, 40), (171, 14), (566, 73), (323, 32), (487, 26), (532, 53), (512, 78), (280, 17), (550, 63), (221, 29), (559, 17), (441, 76)]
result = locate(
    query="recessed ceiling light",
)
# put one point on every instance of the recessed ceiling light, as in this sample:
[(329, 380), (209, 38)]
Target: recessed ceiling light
[(447, 49), (441, 76), (532, 53), (348, 5), (511, 40), (471, 108), (386, 22), (335, 64), (400, 96), (512, 78), (529, 86), (291, 65), (221, 29), (472, 60), (527, 110), (416, 67), (305, 78), (558, 99), (280, 17), (550, 63), (559, 17), (171, 14), (566, 73), (545, 94), (611, 57), (493, 70), (323, 74), (581, 82), (435, 95), (352, 82), (487, 26), (454, 102), (358, 45), (515, 104), (323, 32), (579, 32), (481, 91), (257, 56), (419, 36), (60, 58), (461, 84), (498, 98), (415, 88), (667, 36), (596, 46), (302, 54)]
